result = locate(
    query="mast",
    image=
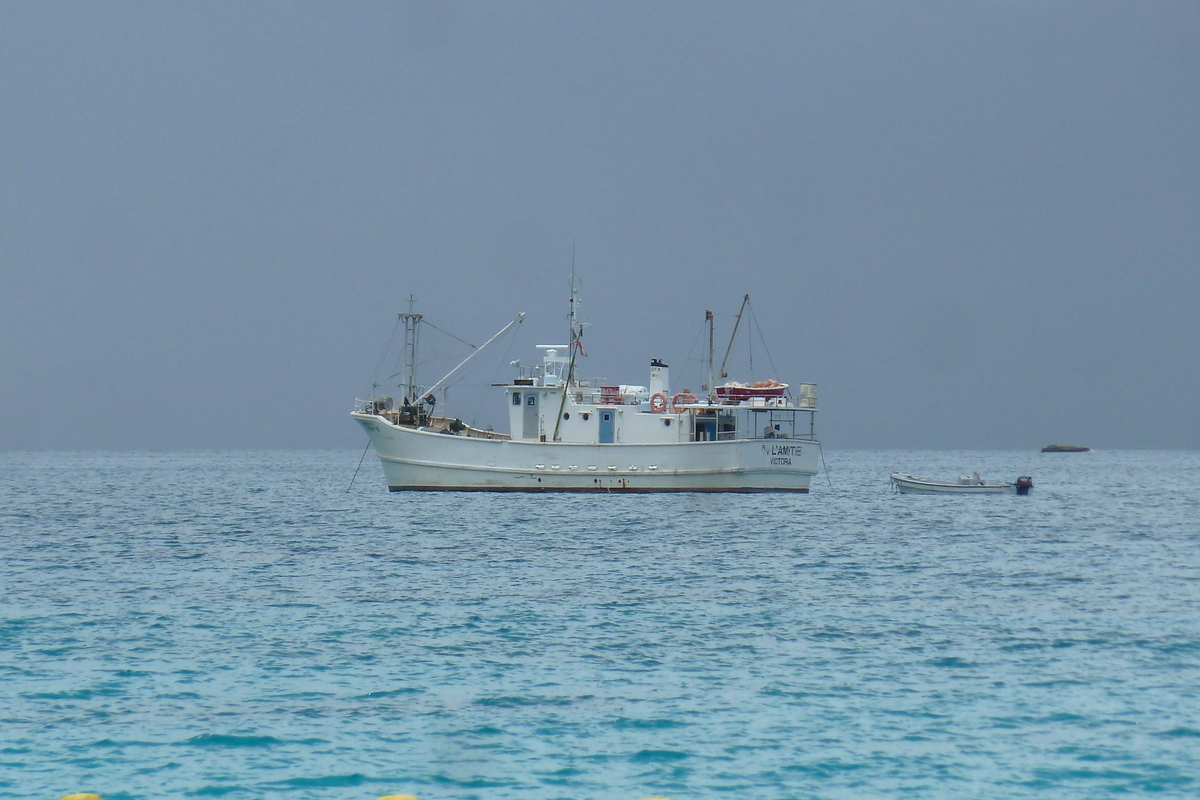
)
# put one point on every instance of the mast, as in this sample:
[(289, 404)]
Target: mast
[(412, 329), (738, 321), (576, 346), (708, 387), (576, 327)]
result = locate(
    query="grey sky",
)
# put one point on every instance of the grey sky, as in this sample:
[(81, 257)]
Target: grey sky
[(972, 224)]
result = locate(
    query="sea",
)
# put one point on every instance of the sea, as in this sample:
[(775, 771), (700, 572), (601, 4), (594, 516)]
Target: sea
[(256, 625)]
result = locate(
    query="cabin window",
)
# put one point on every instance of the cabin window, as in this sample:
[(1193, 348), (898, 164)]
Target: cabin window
[(726, 426), (516, 398), (531, 400)]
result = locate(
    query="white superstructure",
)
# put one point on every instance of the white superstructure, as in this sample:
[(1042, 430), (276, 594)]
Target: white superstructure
[(569, 434)]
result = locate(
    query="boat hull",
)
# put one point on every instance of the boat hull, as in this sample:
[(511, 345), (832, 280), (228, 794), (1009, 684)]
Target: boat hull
[(418, 460), (907, 484)]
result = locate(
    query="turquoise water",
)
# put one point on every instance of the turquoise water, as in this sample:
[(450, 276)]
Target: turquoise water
[(237, 625)]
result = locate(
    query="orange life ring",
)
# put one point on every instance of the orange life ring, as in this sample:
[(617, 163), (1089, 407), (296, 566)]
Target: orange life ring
[(680, 400), (658, 402)]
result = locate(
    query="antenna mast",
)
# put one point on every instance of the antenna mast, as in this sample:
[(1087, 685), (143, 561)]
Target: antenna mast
[(576, 346), (575, 283), (708, 387), (412, 331)]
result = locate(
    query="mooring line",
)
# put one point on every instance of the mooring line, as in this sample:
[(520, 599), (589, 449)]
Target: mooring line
[(356, 469), (821, 448)]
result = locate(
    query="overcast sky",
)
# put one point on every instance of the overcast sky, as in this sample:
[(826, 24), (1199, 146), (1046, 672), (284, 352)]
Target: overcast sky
[(974, 225)]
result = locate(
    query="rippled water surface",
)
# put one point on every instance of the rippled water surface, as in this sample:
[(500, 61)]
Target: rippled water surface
[(238, 625)]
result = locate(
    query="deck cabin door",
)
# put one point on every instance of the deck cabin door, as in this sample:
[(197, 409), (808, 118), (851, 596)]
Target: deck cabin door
[(606, 425), (529, 427)]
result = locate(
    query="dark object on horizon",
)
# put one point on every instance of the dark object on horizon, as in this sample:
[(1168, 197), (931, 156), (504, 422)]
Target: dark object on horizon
[(1024, 484), (1065, 448)]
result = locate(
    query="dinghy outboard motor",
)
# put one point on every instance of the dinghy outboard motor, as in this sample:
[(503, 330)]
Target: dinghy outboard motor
[(1024, 484)]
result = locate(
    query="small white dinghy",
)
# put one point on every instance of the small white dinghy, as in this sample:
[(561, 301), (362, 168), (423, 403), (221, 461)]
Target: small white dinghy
[(966, 484)]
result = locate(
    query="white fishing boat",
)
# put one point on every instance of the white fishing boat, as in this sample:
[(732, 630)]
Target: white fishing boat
[(966, 484), (572, 434)]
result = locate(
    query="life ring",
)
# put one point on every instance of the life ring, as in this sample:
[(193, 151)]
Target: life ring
[(658, 402), (680, 400)]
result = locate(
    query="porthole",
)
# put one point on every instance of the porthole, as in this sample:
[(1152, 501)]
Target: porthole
[(566, 415)]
